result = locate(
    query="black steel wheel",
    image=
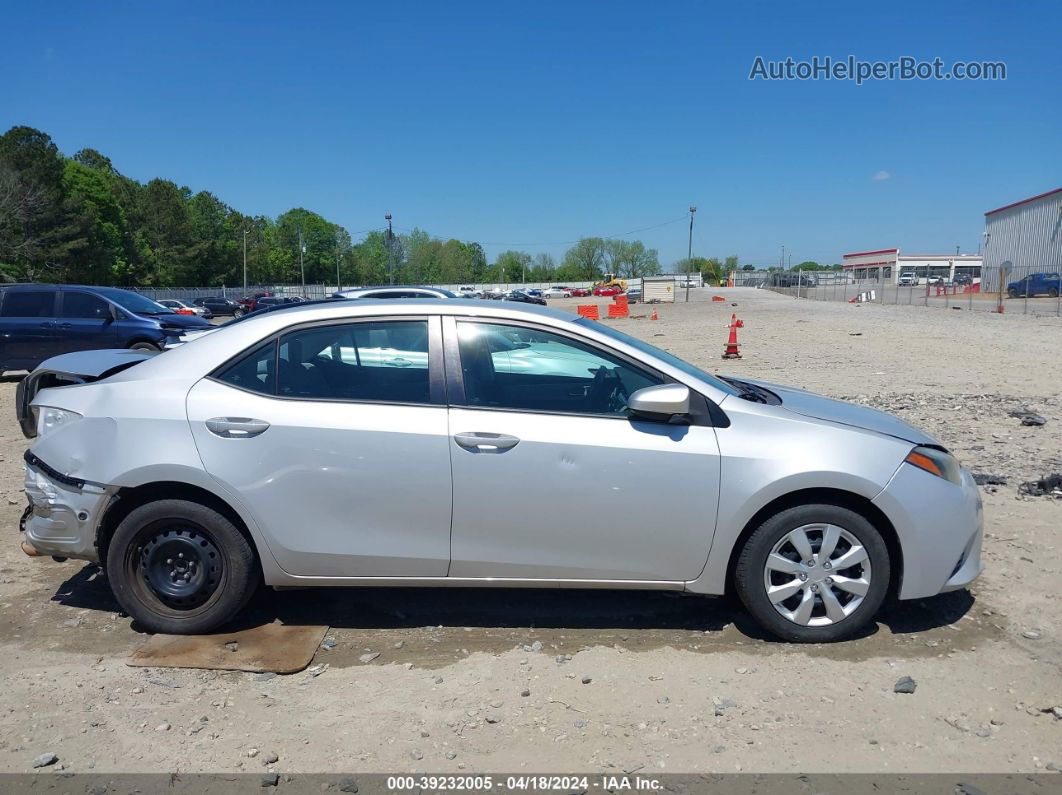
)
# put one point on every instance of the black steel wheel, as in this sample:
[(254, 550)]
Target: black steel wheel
[(179, 567)]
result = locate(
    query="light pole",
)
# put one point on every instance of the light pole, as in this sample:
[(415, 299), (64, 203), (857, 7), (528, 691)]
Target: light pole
[(245, 231), (689, 254), (339, 285), (390, 234), (302, 267)]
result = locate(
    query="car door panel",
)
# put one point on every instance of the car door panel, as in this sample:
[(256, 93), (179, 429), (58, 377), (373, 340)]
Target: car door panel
[(577, 490), (341, 487), (583, 498)]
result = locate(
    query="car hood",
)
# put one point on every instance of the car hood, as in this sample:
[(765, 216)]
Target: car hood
[(808, 404), (179, 321)]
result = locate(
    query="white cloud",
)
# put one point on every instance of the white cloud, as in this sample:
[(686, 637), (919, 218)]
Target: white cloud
[(880, 176)]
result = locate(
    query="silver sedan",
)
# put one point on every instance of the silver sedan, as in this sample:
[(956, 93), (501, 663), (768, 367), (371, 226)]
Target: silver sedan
[(350, 443)]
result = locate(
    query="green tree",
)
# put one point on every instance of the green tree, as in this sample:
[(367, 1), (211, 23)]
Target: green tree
[(583, 261), (630, 259), (748, 267), (512, 266)]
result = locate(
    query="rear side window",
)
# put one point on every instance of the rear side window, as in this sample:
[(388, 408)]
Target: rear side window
[(382, 362), (85, 305), (255, 372), (29, 303)]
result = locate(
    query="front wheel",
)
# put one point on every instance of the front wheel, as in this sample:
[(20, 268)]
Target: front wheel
[(238, 313), (813, 573), (180, 568), (145, 346), (1053, 292), (1012, 293)]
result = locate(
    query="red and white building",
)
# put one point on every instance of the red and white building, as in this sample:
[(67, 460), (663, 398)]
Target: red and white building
[(887, 264)]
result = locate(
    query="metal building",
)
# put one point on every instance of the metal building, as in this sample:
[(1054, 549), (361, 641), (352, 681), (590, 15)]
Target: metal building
[(886, 265), (1027, 234)]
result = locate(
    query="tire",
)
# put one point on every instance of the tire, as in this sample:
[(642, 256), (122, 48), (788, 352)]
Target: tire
[(145, 570), (852, 611), (145, 346), (238, 313), (1053, 292), (1012, 293)]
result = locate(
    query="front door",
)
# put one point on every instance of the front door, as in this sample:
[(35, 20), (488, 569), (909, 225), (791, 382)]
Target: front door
[(85, 322), (553, 481), (335, 440)]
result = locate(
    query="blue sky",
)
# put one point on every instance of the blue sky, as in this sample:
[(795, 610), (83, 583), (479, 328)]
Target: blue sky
[(527, 125)]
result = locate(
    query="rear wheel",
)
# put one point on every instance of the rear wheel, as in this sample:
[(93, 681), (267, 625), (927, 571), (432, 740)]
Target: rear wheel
[(813, 573), (181, 568)]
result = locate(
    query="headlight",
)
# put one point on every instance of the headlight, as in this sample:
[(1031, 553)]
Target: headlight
[(936, 462), (50, 418)]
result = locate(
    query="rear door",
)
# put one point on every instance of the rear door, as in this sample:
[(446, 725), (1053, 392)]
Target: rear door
[(552, 480), (29, 332), (334, 436), (85, 321)]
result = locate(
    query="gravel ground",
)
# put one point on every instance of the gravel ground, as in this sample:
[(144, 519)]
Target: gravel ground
[(606, 681)]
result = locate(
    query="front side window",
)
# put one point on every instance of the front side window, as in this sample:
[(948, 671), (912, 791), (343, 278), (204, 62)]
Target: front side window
[(29, 303), (85, 306), (522, 368), (385, 361)]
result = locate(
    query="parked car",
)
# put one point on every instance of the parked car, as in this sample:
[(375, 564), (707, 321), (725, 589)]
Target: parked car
[(293, 439), (579, 292), (469, 292), (557, 292), (535, 292), (1036, 284), (39, 321), (494, 293), (182, 308), (395, 291), (524, 298), (221, 306), (250, 302), (607, 291), (936, 279), (634, 295), (684, 283), (275, 300), (908, 279), (963, 278)]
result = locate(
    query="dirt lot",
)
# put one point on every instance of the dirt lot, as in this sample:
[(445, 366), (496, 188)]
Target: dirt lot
[(494, 681)]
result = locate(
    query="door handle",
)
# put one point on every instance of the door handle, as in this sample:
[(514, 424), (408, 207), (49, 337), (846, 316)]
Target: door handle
[(236, 427), (486, 442)]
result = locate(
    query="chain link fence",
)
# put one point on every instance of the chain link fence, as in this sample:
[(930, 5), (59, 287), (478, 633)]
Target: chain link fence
[(1026, 291)]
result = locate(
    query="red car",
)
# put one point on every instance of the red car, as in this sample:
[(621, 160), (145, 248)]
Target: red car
[(607, 291), (579, 292), (250, 303)]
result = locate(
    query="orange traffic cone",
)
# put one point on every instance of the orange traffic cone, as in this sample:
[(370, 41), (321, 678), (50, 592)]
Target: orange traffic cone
[(654, 316), (731, 351), (735, 322)]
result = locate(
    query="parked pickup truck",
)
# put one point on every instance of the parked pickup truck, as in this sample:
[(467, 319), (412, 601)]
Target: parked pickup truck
[(1036, 284)]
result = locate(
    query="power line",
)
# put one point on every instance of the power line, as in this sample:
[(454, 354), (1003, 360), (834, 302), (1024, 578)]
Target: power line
[(544, 243)]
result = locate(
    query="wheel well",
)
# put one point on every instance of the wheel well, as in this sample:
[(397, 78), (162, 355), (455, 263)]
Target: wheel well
[(844, 499), (129, 499), (138, 340)]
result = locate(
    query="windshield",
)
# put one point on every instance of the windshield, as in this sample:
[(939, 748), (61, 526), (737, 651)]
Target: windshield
[(136, 303), (662, 355)]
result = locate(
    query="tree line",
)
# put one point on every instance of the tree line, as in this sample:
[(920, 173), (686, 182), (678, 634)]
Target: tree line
[(79, 220)]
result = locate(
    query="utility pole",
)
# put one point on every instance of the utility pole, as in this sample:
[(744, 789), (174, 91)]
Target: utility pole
[(302, 267), (339, 285), (390, 235), (781, 262), (245, 231), (689, 254)]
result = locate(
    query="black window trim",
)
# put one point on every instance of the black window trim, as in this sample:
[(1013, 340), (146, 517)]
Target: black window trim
[(703, 411), (436, 376)]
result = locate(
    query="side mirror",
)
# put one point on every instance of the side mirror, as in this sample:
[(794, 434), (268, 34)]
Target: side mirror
[(659, 403)]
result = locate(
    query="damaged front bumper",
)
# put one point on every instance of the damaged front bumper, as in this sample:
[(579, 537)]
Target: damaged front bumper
[(63, 512)]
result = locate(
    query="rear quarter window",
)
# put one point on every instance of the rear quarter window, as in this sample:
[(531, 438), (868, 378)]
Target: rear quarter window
[(29, 303)]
